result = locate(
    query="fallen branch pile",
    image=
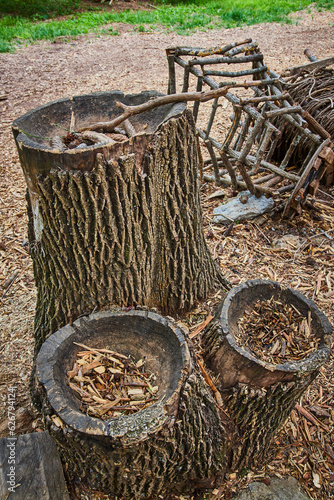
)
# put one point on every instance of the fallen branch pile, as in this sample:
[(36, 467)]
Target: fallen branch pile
[(311, 85)]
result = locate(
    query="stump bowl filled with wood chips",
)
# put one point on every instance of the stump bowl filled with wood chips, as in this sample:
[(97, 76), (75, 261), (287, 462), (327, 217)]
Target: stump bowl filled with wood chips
[(107, 387), (266, 345), (131, 361), (270, 334)]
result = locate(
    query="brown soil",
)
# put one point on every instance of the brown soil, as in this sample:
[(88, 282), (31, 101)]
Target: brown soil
[(117, 6), (133, 62)]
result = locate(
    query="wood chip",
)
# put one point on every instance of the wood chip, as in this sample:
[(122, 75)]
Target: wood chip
[(201, 327)]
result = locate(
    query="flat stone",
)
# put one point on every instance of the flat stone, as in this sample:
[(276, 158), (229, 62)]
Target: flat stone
[(235, 210), (279, 489)]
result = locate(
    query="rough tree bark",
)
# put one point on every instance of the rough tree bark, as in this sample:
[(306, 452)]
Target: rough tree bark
[(122, 225)]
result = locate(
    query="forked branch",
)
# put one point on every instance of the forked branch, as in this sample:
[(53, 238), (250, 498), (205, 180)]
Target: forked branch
[(167, 99)]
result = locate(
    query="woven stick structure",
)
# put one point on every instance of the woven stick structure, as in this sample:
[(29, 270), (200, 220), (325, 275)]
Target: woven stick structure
[(247, 151), (312, 87)]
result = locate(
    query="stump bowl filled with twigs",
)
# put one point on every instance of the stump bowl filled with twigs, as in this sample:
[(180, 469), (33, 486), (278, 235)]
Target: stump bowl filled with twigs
[(266, 345), (134, 351), (144, 360), (270, 334)]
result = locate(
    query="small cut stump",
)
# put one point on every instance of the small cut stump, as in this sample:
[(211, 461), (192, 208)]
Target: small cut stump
[(259, 396), (176, 443)]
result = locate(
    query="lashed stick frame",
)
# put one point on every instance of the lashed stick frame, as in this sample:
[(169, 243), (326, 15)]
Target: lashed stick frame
[(247, 153), (258, 396)]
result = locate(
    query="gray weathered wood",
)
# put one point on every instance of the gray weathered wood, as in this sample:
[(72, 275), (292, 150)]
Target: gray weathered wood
[(30, 468), (309, 66)]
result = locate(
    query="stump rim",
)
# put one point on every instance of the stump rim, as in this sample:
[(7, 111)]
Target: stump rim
[(23, 139), (122, 427)]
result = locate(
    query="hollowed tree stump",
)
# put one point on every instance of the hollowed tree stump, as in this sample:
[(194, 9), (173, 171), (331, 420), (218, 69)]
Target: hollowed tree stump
[(175, 443), (115, 222), (259, 396)]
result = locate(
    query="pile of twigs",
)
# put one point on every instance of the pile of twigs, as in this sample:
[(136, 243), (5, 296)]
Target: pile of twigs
[(315, 93), (111, 384)]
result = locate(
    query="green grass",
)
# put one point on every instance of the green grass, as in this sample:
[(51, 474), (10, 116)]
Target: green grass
[(39, 9), (181, 16)]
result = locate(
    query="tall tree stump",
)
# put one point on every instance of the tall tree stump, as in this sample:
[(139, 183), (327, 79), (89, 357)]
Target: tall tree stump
[(176, 443), (259, 396), (115, 222)]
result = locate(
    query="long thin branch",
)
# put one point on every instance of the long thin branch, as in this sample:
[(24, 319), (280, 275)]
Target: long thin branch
[(167, 99), (195, 51)]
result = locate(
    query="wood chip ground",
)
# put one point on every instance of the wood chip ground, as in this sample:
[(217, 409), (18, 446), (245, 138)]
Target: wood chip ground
[(134, 62)]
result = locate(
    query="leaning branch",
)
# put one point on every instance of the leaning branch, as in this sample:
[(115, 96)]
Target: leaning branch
[(167, 99)]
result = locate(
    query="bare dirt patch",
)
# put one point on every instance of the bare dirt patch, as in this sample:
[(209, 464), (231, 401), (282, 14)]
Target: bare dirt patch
[(118, 5), (133, 62)]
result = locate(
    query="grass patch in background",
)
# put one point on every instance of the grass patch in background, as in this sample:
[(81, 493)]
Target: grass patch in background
[(39, 9), (183, 17)]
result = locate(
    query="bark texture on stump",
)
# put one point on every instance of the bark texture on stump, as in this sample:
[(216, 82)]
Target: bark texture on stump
[(177, 443), (259, 396), (125, 228), (258, 414)]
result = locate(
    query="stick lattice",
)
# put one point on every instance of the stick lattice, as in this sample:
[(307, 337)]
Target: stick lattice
[(247, 155)]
